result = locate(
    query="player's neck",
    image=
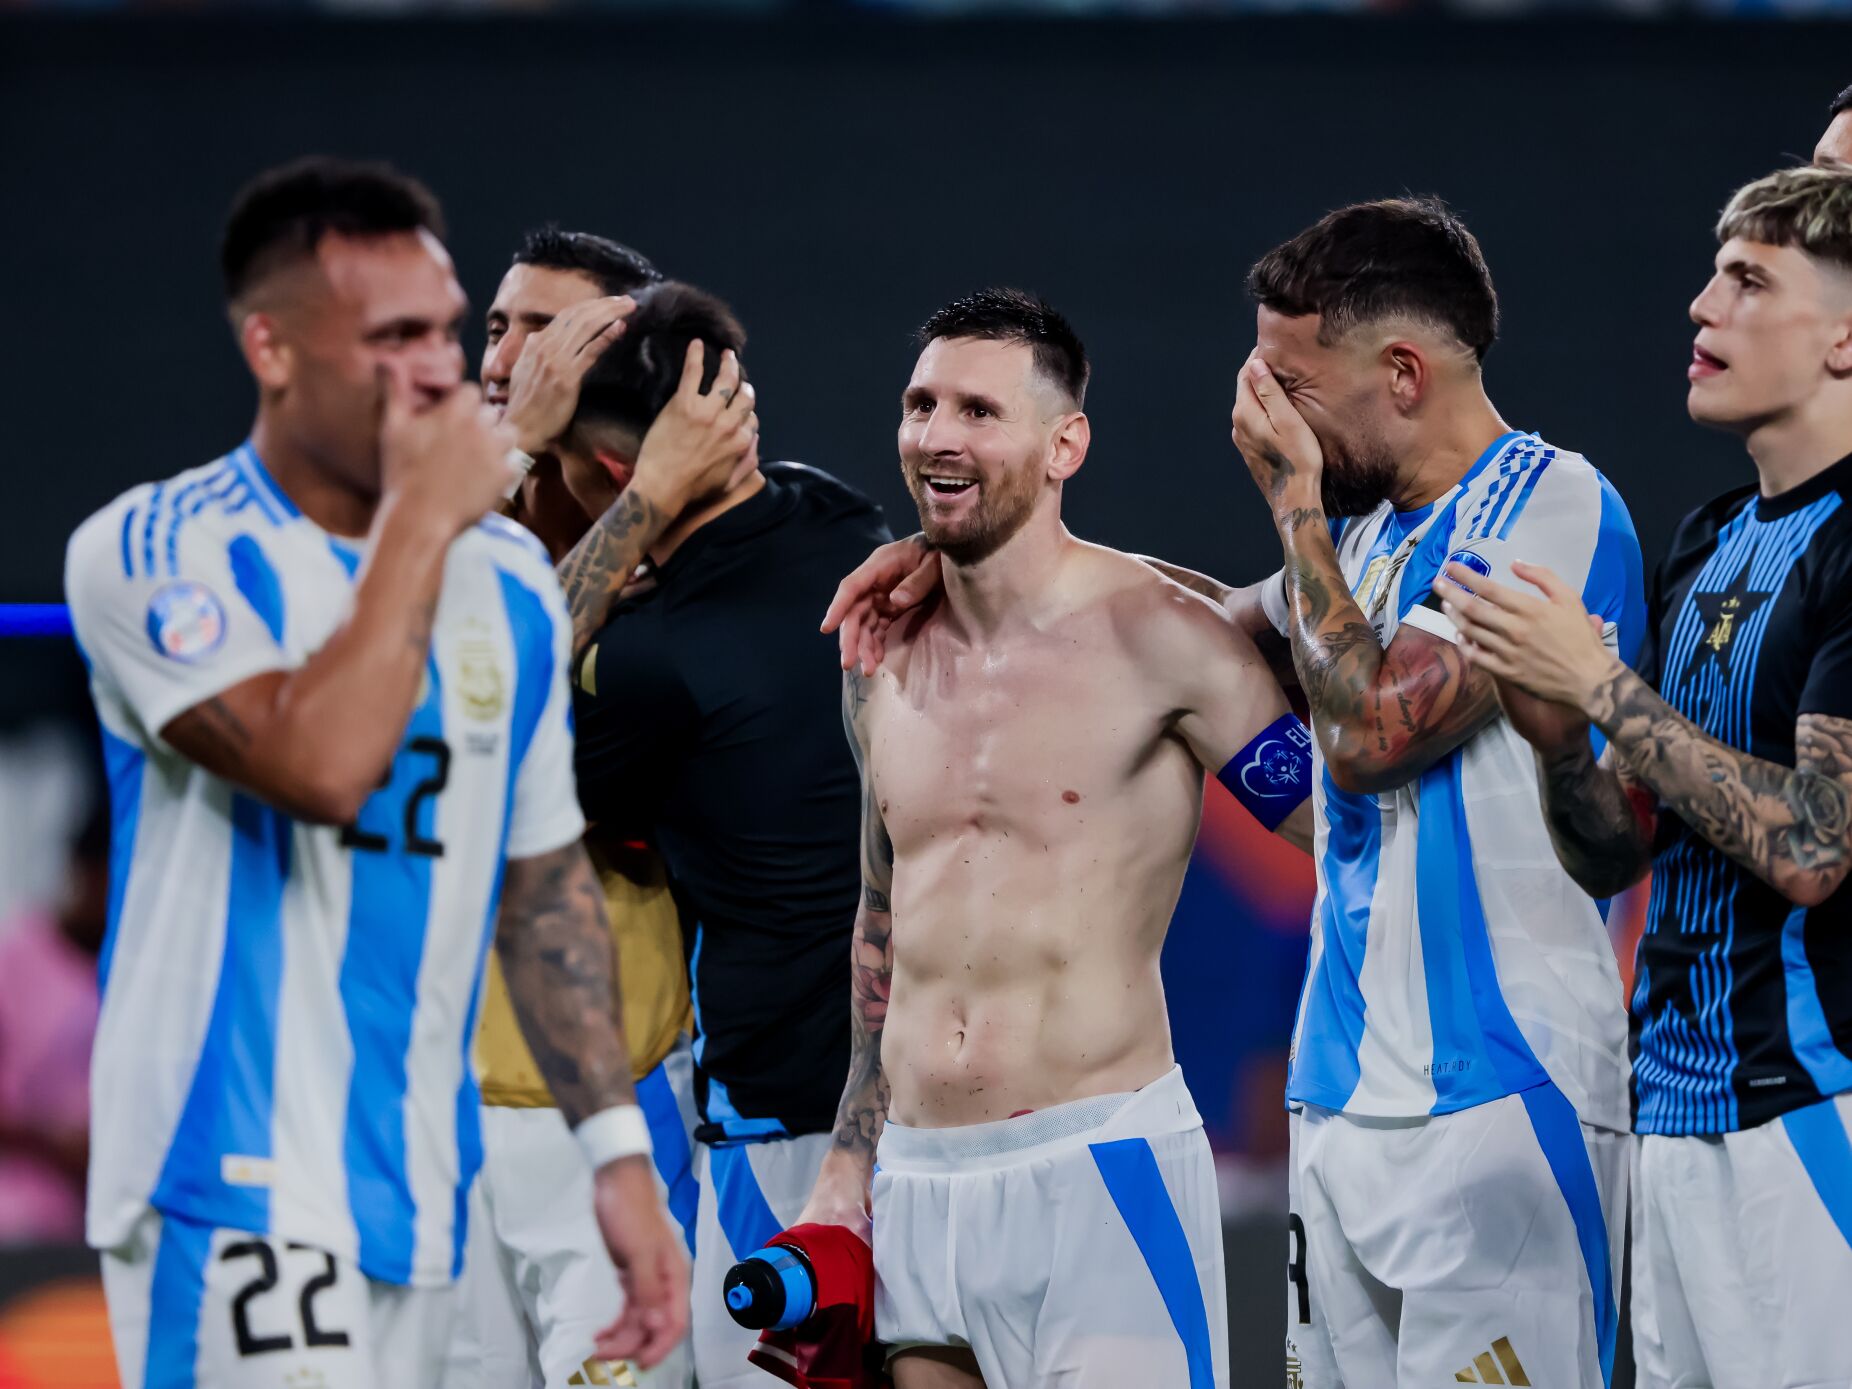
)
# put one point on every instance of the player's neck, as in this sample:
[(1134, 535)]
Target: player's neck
[(696, 517), (1461, 431), (318, 495), (1802, 443), (1012, 586)]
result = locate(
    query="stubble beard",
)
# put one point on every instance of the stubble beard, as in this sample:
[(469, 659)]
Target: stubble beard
[(999, 515)]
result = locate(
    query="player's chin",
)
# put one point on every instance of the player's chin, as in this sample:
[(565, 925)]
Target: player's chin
[(1710, 403), (941, 532)]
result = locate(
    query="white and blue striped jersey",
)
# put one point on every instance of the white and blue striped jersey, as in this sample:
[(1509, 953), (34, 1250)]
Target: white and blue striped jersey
[(1452, 960), (288, 1008)]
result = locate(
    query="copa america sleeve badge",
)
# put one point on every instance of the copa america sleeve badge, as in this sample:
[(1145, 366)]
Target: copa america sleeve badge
[(186, 621)]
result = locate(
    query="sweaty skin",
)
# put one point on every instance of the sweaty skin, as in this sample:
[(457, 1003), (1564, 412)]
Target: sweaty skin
[(1041, 791)]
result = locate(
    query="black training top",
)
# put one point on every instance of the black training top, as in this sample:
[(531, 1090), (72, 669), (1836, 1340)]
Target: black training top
[(709, 714), (1743, 1006)]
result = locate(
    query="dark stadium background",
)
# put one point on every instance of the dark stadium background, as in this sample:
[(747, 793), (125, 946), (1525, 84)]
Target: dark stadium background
[(837, 176)]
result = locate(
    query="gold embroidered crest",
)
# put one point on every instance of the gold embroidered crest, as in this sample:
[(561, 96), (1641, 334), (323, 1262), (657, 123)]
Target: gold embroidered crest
[(479, 680)]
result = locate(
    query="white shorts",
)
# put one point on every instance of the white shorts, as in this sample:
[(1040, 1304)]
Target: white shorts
[(1478, 1247), (1742, 1255), (194, 1307), (538, 1283), (749, 1192), (1079, 1245)]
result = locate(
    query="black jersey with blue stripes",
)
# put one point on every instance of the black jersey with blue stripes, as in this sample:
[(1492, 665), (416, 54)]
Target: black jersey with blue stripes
[(1742, 1006)]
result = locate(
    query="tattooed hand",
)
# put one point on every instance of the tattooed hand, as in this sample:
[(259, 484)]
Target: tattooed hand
[(1282, 453), (1547, 643), (1790, 826)]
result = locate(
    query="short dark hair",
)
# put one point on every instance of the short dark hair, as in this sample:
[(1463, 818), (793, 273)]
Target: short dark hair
[(629, 385), (1370, 261), (281, 216), (1013, 315), (1842, 102), (616, 268)]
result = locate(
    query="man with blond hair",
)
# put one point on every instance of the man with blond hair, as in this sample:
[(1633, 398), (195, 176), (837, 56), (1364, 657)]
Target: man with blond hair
[(1728, 773)]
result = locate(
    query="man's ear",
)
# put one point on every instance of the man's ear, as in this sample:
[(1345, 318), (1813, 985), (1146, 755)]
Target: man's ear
[(1068, 449), (270, 357), (1410, 375), (619, 468), (1839, 355)]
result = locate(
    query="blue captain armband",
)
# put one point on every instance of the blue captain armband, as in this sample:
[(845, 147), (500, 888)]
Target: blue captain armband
[(1272, 774)]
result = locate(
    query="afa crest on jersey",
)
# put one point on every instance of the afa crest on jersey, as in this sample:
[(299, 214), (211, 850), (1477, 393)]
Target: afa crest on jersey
[(186, 620)]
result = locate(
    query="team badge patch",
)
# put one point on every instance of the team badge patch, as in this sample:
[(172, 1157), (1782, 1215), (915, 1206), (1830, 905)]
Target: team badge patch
[(186, 621), (1473, 560), (479, 680)]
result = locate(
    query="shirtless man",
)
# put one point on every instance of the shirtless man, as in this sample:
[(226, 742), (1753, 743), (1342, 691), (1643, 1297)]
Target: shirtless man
[(1032, 753)]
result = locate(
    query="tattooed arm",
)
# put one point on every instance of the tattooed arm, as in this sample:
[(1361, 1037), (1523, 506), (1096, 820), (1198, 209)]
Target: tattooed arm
[(1600, 816), (560, 964), (1381, 715), (597, 568), (841, 1193), (1790, 826)]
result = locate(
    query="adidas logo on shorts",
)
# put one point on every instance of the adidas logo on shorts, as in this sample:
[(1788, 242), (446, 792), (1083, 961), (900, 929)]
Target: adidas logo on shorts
[(1499, 1365), (602, 1372)]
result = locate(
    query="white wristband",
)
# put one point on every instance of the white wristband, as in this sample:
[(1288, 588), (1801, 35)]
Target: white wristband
[(1274, 603), (618, 1132), (523, 463)]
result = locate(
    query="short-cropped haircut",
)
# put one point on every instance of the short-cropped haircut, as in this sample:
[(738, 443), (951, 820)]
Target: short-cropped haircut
[(1014, 315), (281, 216), (614, 266), (1394, 258)]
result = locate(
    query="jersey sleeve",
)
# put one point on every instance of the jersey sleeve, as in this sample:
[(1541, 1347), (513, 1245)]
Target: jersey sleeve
[(171, 614), (545, 815), (636, 715), (1569, 519), (1274, 604)]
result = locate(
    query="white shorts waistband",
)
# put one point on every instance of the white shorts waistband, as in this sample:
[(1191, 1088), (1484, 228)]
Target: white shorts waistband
[(1163, 1106)]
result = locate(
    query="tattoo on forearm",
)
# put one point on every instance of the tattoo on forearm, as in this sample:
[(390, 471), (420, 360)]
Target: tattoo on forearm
[(561, 967), (1790, 826), (863, 1111), (601, 563), (1389, 712), (1280, 470), (1303, 516), (1602, 828)]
